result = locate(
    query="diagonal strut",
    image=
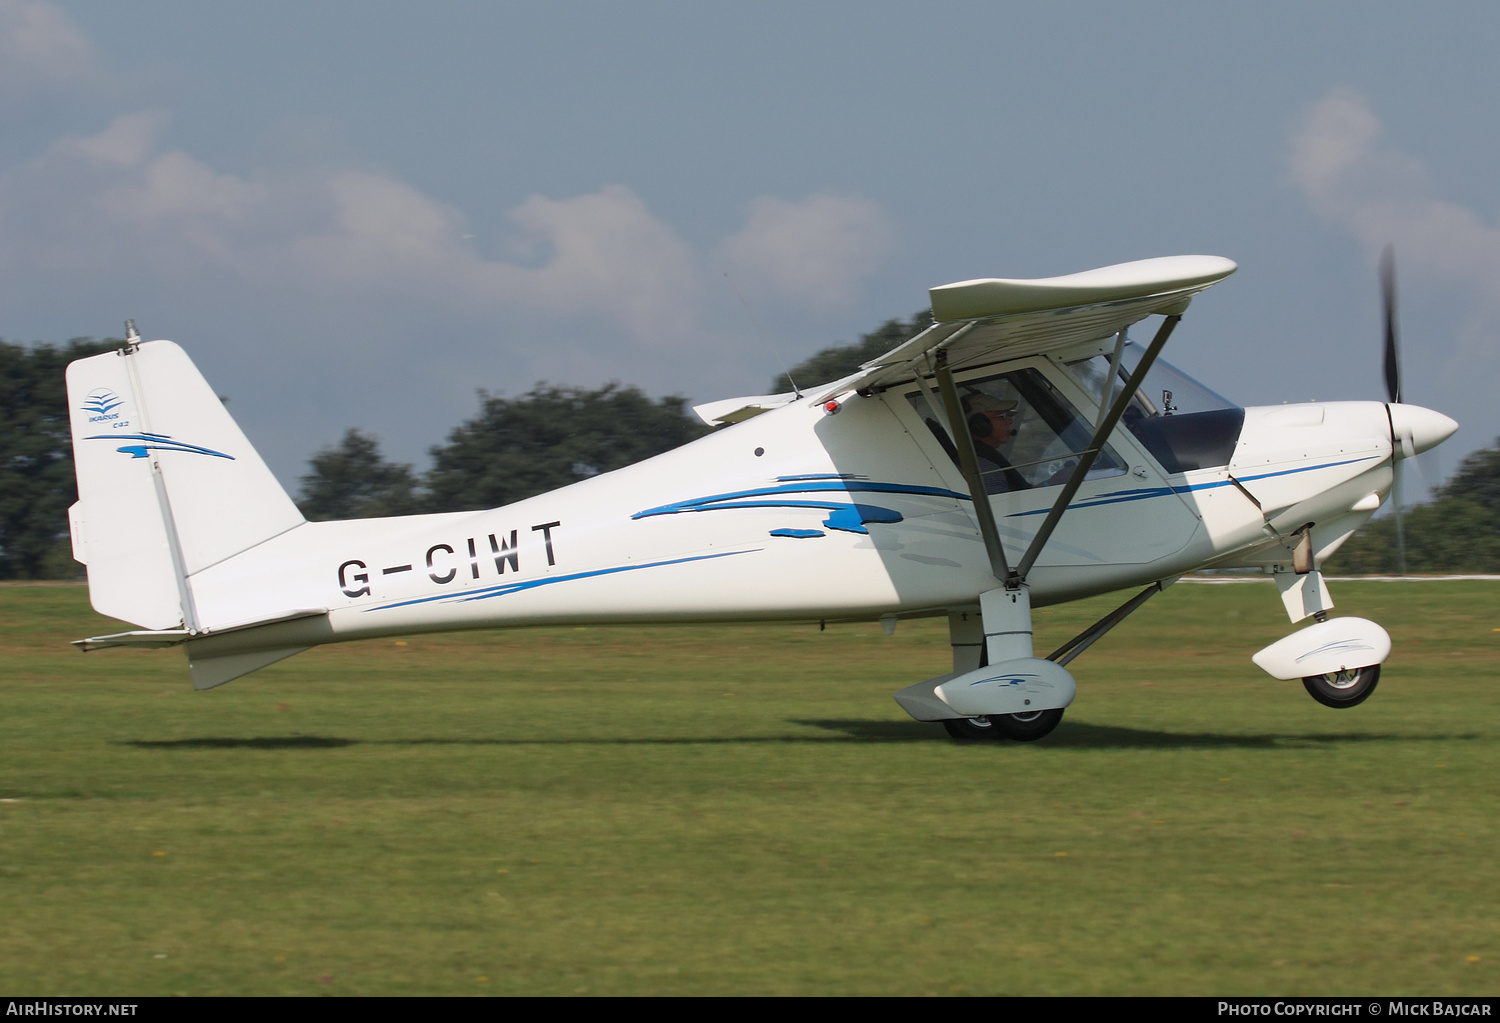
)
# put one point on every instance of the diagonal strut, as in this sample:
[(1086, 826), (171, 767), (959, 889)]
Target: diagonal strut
[(1091, 452)]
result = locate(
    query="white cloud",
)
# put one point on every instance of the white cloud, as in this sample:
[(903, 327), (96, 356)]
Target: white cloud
[(42, 53), (323, 295), (601, 255), (109, 198), (610, 254), (1383, 196), (113, 200), (127, 141), (817, 251), (358, 229)]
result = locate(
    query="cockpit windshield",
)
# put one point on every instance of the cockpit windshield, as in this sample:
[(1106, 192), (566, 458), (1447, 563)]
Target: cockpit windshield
[(1183, 424)]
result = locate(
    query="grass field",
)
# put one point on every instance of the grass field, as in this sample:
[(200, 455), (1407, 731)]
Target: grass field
[(744, 810)]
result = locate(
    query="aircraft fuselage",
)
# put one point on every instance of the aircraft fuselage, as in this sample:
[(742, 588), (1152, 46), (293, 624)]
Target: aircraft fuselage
[(799, 514)]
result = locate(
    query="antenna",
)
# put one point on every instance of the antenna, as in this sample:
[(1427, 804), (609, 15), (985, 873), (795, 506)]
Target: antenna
[(785, 368)]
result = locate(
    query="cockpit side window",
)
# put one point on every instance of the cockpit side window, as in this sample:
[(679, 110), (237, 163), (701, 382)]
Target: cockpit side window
[(1025, 433), (1183, 424)]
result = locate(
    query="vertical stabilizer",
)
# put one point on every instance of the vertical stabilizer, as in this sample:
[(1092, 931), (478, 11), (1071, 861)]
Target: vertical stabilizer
[(167, 483)]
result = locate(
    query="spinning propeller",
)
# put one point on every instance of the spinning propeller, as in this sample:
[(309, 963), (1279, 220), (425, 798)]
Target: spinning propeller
[(1393, 386), (1413, 429), (1388, 301)]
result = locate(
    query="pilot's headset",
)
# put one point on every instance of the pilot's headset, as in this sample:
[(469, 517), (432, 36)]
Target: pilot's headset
[(990, 420)]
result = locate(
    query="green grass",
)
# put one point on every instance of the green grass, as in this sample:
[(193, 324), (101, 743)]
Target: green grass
[(745, 810)]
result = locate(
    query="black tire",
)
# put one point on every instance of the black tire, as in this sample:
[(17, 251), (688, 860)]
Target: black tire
[(1340, 689), (1026, 727), (971, 729)]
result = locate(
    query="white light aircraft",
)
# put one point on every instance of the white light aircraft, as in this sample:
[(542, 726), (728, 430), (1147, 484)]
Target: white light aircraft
[(1020, 452)]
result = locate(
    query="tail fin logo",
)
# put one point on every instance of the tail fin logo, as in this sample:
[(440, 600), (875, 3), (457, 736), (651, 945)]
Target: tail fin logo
[(156, 442), (100, 405)]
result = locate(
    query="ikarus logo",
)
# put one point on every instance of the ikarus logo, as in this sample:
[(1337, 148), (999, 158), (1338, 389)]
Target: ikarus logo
[(100, 405)]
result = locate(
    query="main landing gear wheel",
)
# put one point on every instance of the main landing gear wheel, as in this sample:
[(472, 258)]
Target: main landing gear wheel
[(1345, 688), (971, 729), (1016, 727), (1026, 727)]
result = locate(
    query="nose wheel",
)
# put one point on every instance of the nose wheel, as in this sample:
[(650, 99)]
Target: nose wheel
[(1344, 688), (1015, 727)]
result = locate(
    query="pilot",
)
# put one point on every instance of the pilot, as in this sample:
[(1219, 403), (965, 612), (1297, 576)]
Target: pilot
[(992, 424), (991, 420)]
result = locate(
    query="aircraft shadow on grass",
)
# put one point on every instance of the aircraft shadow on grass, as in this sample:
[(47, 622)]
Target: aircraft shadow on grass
[(1075, 736), (1086, 736), (242, 742)]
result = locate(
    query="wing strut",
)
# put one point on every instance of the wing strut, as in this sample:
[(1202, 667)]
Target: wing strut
[(1085, 639), (968, 464), (1091, 452)]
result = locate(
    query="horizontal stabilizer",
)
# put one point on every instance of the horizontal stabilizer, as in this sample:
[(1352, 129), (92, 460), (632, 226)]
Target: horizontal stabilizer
[(736, 410), (144, 639), (156, 638)]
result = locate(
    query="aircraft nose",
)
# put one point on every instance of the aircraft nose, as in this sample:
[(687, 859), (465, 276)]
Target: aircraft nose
[(1414, 429)]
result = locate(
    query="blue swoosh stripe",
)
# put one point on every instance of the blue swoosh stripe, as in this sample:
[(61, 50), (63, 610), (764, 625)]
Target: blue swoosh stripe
[(156, 442), (1120, 496), (505, 589), (1309, 468), (715, 502)]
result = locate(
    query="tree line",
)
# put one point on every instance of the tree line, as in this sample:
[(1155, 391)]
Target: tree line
[(546, 438), (553, 435), (513, 449), (36, 459)]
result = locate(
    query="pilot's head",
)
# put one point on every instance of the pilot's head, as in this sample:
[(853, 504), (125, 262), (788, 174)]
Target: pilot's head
[(990, 420)]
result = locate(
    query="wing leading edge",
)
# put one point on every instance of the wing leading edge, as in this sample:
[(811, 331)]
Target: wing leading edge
[(984, 321)]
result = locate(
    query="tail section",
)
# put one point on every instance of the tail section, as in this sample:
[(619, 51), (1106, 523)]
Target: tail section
[(167, 484)]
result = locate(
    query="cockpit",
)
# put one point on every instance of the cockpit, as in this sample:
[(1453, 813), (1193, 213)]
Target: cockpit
[(1183, 424), (1027, 434)]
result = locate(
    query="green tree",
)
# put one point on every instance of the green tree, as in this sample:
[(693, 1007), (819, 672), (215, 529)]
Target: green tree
[(840, 360), (353, 481), (36, 459), (1477, 479), (550, 437)]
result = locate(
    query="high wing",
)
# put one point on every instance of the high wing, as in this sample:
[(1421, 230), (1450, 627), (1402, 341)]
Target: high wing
[(984, 321), (987, 321)]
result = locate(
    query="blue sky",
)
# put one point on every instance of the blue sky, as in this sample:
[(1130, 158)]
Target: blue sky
[(357, 214)]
